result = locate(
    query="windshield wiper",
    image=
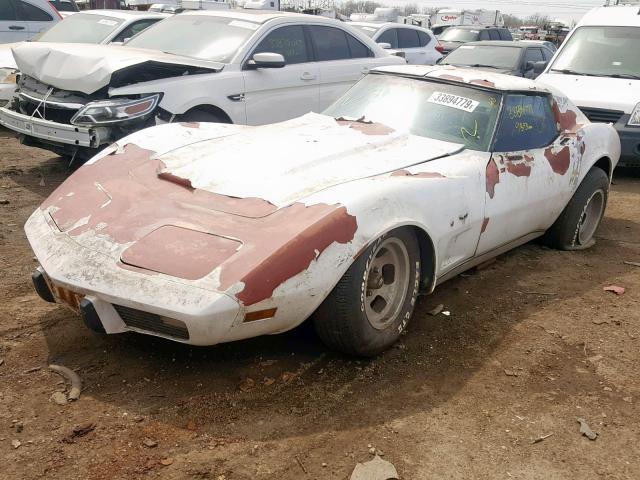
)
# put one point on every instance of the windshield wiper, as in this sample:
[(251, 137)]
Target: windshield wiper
[(480, 65), (630, 76), (567, 71)]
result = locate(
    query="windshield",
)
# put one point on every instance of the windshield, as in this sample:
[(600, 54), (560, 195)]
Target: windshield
[(64, 5), (459, 35), (487, 55), (451, 113), (81, 28), (601, 51), (199, 36), (367, 30)]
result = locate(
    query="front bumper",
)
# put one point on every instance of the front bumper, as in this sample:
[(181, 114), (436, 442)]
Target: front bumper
[(630, 142), (116, 300), (50, 131)]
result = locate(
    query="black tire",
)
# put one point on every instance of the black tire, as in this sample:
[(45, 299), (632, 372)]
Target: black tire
[(202, 115), (342, 322), (565, 233)]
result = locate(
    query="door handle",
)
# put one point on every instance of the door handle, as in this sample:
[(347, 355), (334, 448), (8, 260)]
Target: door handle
[(16, 27), (422, 53), (307, 76)]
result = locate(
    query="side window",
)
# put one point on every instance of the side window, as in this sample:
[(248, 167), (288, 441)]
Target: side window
[(494, 35), (408, 38), (527, 123), (389, 36), (505, 34), (31, 13), (424, 38), (547, 54), (331, 43), (357, 48), (7, 10), (134, 29), (484, 35), (289, 42), (533, 55)]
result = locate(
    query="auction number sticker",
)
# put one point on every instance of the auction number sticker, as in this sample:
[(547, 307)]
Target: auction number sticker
[(454, 101)]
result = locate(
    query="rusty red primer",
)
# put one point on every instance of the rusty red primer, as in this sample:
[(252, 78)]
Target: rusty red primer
[(368, 128), (484, 83), (493, 177), (264, 273), (560, 160), (567, 120), (453, 78), (485, 222), (121, 196), (180, 252), (190, 124), (407, 173)]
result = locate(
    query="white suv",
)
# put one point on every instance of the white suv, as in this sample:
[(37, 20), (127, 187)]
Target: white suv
[(420, 46), (246, 67), (22, 19), (598, 66)]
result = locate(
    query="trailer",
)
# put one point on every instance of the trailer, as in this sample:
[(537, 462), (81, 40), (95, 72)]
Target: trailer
[(448, 17)]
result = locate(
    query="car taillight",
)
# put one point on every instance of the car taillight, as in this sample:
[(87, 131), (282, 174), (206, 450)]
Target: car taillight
[(53, 5), (440, 48)]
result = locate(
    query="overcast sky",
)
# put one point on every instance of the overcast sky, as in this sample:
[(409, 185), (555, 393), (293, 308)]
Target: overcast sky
[(561, 9)]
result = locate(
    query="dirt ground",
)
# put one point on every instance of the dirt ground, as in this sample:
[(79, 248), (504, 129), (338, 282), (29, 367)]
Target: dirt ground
[(532, 343)]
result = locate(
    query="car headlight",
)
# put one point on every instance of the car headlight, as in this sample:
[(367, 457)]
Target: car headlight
[(105, 112), (8, 75), (634, 119)]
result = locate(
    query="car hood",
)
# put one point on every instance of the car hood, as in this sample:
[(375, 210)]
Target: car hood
[(286, 162), (6, 55), (87, 68), (596, 92), (263, 187)]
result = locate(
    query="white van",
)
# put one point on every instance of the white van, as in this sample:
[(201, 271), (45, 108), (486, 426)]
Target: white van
[(598, 67), (23, 19)]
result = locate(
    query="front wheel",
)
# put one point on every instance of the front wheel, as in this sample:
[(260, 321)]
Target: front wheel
[(373, 302), (576, 226)]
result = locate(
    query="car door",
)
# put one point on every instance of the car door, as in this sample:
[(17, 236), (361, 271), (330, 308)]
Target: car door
[(409, 43), (527, 186), (532, 54), (276, 94), (12, 29), (38, 20), (342, 61), (428, 45)]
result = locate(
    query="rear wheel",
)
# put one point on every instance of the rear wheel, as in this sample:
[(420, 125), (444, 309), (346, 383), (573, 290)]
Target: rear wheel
[(373, 302), (576, 226)]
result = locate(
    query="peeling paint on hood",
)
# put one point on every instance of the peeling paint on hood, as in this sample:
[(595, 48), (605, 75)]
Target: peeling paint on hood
[(88, 68), (285, 162)]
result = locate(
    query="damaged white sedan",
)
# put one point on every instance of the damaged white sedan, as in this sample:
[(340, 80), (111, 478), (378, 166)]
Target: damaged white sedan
[(208, 233), (242, 67)]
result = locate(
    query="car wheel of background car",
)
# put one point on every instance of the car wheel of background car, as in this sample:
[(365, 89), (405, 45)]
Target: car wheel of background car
[(577, 224), (373, 302)]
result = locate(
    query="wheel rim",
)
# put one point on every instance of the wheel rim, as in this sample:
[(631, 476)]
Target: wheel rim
[(386, 283), (591, 216)]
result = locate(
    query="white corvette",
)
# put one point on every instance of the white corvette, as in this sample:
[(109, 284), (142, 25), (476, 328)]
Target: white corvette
[(207, 233)]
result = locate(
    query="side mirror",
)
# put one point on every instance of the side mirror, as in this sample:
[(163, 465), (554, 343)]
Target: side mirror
[(538, 67), (266, 60), (384, 45)]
